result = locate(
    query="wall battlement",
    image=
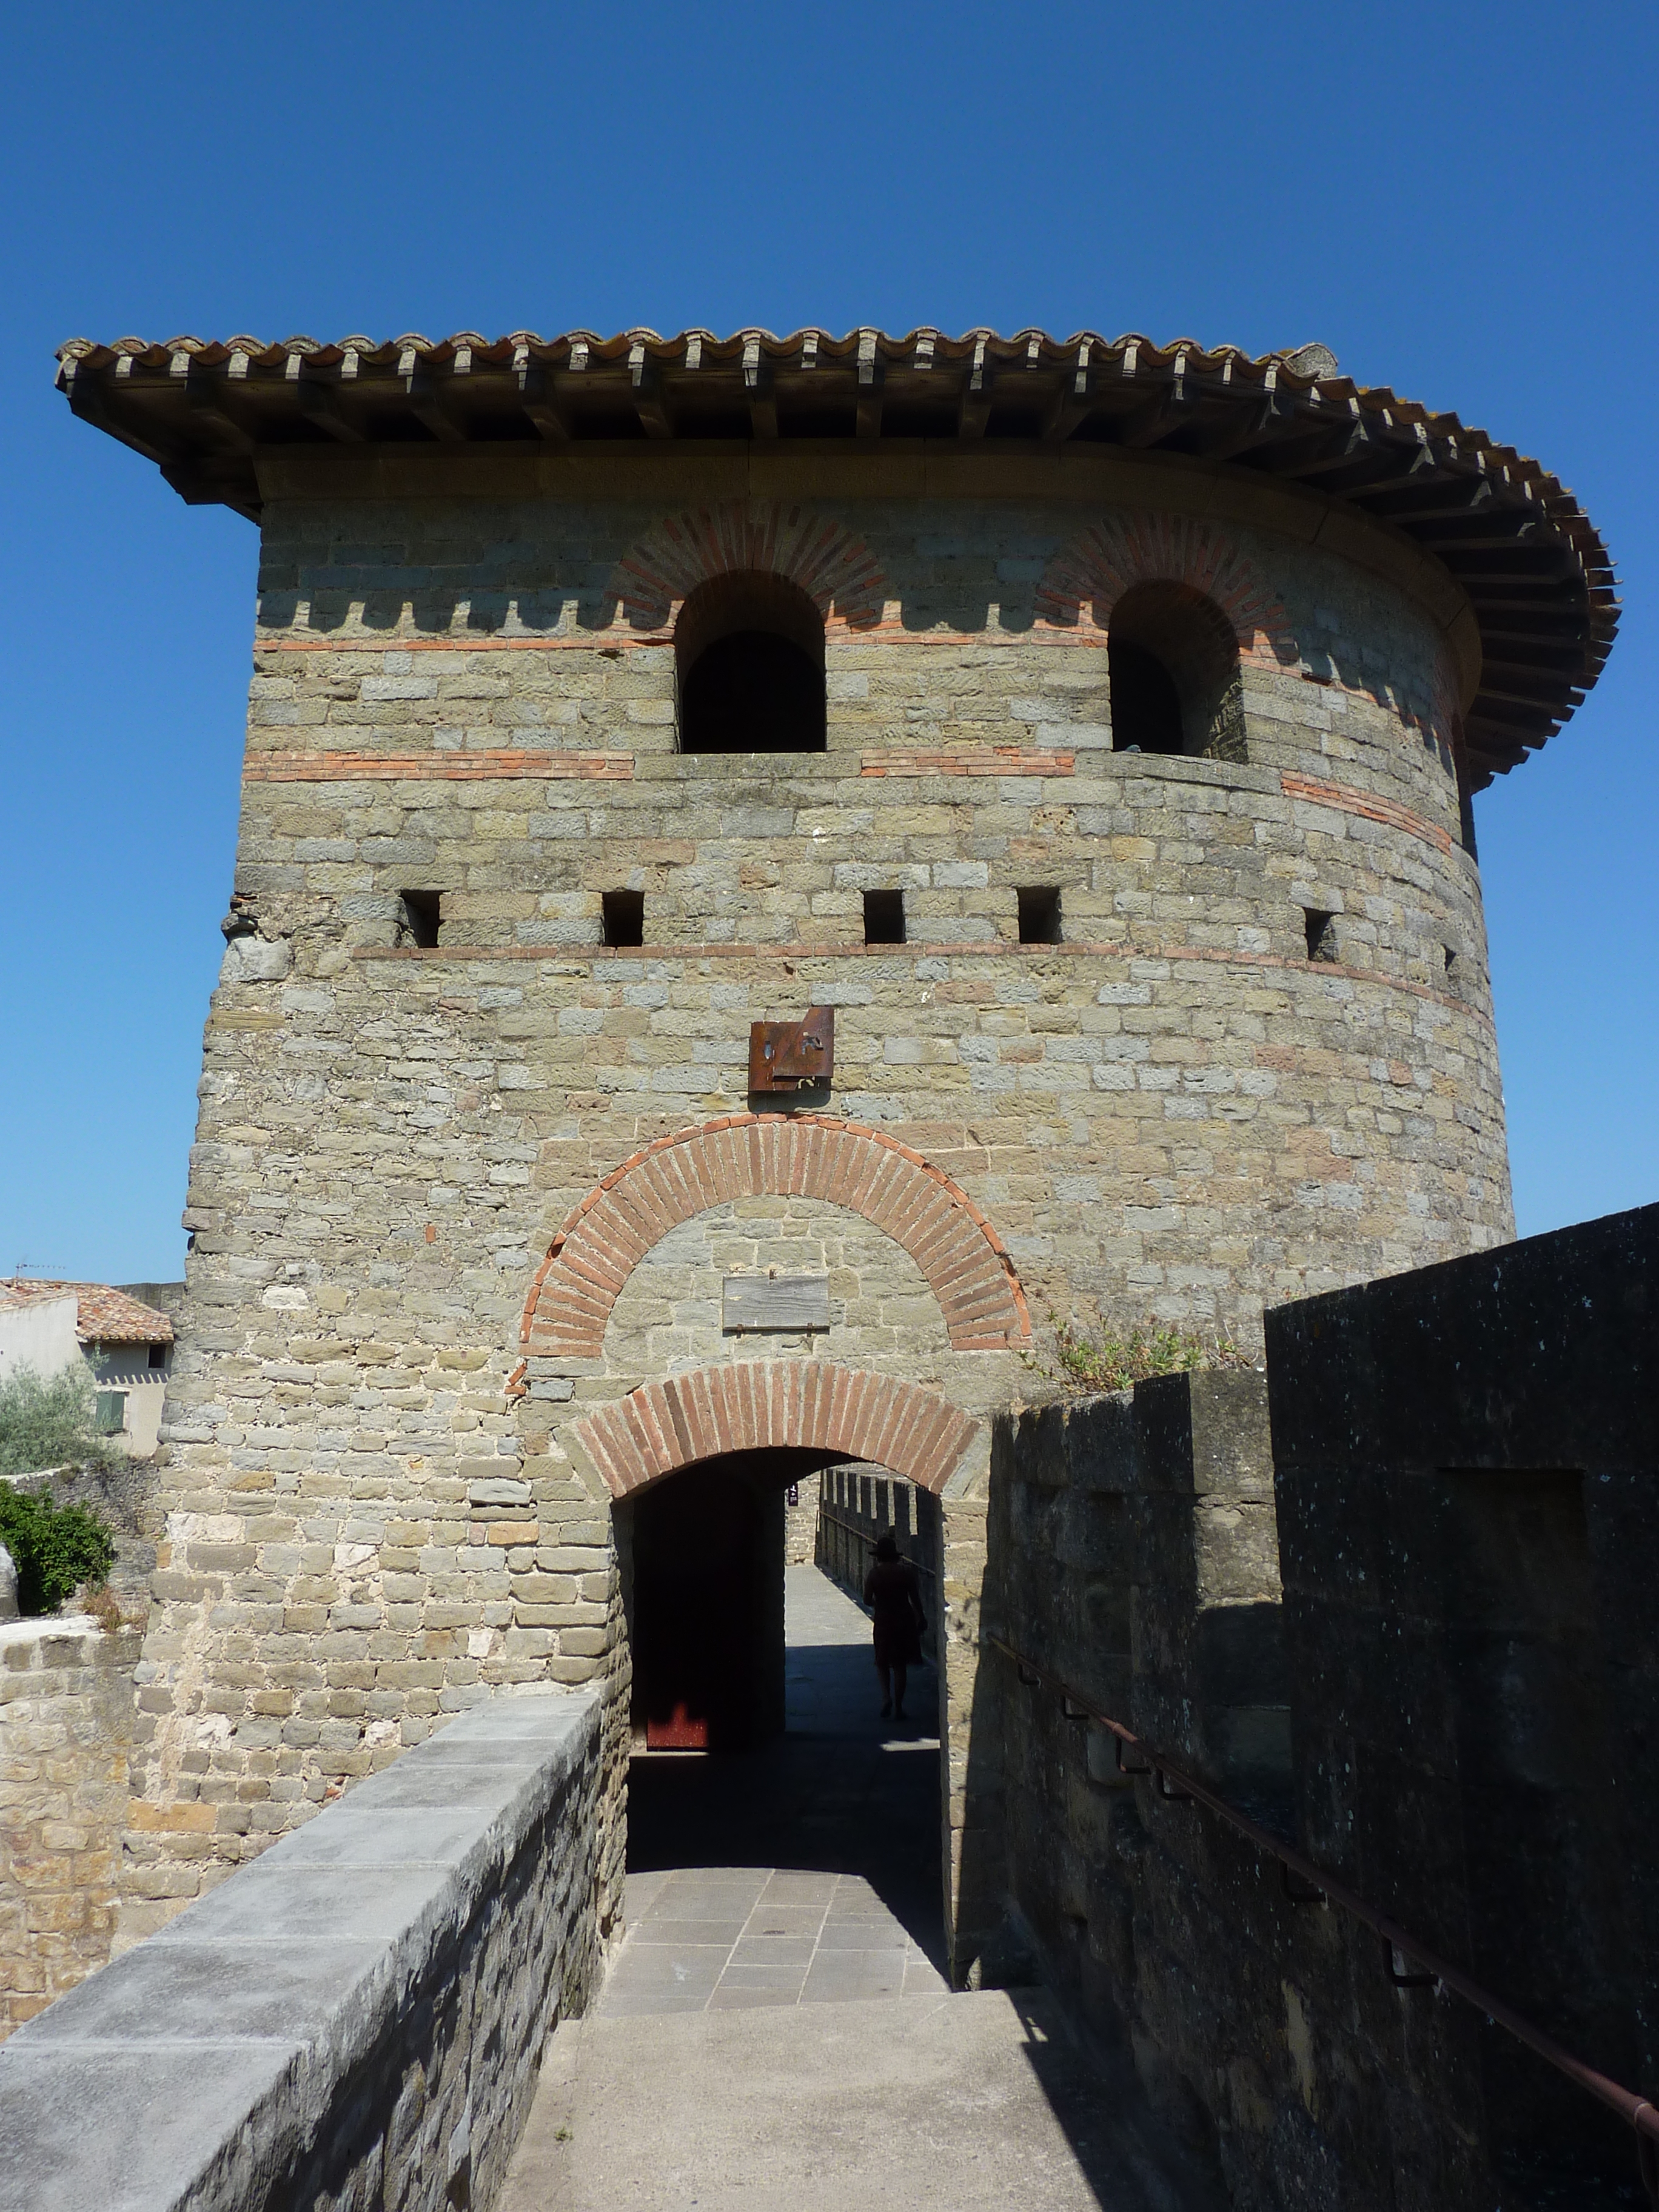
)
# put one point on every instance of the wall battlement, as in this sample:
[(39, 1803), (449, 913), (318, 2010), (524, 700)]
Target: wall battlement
[(1392, 1600)]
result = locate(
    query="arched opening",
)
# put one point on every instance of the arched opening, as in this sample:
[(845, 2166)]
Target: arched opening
[(749, 667), (1172, 660), (783, 1834), (705, 1604)]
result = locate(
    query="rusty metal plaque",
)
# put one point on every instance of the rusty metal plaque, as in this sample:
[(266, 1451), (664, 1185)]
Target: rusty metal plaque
[(793, 1056)]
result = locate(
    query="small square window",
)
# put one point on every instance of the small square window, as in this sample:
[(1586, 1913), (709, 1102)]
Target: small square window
[(158, 1355), (1320, 929), (1039, 915), (624, 916), (883, 917), (419, 922)]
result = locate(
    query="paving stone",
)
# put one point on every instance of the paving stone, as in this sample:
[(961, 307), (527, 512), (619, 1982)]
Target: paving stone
[(953, 2103)]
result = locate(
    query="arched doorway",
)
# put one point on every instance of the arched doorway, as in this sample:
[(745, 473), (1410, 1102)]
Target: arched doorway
[(785, 1837), (703, 1557)]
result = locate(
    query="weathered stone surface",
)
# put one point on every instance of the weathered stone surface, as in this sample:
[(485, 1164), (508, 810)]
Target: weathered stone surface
[(358, 2018), (1173, 1112), (788, 1305), (66, 1729), (1467, 1472), (252, 960)]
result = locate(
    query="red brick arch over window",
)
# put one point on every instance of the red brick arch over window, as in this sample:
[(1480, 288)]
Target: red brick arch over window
[(1091, 572), (757, 1404), (835, 570), (779, 1155)]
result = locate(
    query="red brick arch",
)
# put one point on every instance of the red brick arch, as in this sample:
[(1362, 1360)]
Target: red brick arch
[(756, 1405), (1091, 572), (835, 570), (780, 1156)]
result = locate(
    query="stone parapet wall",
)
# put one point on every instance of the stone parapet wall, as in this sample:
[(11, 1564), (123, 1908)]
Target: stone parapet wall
[(1466, 1465), (359, 2018), (66, 1726), (1131, 1551), (1447, 1703)]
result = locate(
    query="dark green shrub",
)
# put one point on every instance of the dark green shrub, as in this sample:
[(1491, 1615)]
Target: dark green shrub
[(55, 1548)]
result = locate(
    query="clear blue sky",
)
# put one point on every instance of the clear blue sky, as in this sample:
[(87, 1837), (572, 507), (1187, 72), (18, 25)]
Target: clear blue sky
[(1459, 199)]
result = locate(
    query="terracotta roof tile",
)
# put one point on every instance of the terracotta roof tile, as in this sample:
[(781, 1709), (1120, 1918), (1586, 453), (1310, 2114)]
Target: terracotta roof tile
[(106, 1315), (1532, 566)]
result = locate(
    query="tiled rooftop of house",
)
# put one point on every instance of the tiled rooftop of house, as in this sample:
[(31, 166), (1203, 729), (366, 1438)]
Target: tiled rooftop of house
[(106, 1315)]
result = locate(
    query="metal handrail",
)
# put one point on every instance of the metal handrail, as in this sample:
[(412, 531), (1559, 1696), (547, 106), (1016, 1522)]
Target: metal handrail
[(1174, 1782)]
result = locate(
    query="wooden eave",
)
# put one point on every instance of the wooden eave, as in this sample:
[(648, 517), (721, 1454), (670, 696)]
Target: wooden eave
[(1531, 563)]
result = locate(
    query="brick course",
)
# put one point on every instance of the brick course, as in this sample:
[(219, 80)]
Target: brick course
[(415, 768), (759, 1404), (744, 1156)]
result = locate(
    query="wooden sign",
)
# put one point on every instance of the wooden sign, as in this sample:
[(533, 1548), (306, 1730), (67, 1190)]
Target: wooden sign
[(790, 1305), (793, 1056)]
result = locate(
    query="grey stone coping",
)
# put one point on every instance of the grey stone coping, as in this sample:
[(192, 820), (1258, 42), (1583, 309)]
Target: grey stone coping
[(186, 2072)]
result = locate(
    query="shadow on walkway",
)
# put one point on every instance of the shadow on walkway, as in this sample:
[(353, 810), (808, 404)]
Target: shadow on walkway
[(803, 1880), (841, 1793)]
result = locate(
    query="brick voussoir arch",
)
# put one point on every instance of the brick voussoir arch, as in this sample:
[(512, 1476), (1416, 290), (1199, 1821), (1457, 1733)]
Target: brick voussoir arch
[(1091, 572), (759, 1405), (835, 570), (810, 1156)]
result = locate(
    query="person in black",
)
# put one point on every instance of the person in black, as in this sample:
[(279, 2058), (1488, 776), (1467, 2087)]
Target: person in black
[(894, 1595)]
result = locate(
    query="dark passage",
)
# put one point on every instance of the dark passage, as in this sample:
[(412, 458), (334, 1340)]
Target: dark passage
[(706, 1612), (804, 1864)]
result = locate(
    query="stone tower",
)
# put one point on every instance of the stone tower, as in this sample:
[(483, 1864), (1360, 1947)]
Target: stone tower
[(1068, 748)]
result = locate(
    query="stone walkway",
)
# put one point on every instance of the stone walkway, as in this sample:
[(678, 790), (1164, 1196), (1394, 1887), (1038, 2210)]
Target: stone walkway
[(775, 2033), (858, 1913), (945, 2104), (720, 1940)]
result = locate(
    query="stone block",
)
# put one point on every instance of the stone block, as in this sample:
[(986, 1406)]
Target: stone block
[(314, 1986)]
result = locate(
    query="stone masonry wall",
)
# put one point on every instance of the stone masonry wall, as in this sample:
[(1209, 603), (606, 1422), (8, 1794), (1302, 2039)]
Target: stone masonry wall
[(1467, 1469), (1125, 1554), (376, 1505), (66, 1720), (1450, 1710), (357, 2022)]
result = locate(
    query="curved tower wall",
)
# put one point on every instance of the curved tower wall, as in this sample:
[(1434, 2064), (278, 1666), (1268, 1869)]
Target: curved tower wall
[(391, 1449)]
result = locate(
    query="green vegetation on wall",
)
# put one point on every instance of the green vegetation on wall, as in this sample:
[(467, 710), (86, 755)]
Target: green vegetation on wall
[(1107, 1358), (55, 1548), (49, 1422)]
